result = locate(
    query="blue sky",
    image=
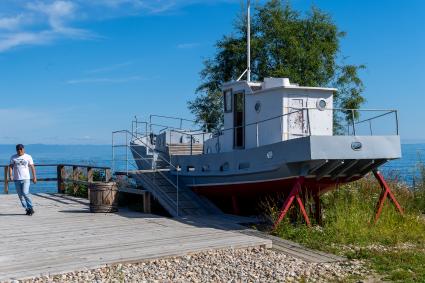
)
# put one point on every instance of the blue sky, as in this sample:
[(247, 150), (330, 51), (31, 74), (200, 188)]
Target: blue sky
[(72, 71)]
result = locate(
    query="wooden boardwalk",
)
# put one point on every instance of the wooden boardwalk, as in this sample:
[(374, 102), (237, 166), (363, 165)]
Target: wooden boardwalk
[(63, 236)]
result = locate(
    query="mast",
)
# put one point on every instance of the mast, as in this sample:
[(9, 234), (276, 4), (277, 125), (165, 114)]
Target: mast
[(248, 41), (248, 44)]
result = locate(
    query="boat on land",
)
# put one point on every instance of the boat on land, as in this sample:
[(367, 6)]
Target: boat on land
[(274, 132), (276, 135)]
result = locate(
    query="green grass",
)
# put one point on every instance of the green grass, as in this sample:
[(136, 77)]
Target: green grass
[(348, 229)]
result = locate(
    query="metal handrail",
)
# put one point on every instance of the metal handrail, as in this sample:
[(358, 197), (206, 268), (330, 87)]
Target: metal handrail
[(176, 186), (389, 111), (220, 132)]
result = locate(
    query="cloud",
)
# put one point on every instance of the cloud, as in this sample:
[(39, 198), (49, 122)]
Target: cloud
[(24, 38), (11, 23), (50, 21), (109, 68), (188, 45), (39, 22), (106, 80)]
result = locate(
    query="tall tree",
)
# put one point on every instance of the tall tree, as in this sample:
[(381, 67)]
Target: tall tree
[(305, 49)]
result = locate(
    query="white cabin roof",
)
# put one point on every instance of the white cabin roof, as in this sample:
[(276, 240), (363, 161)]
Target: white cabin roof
[(273, 83)]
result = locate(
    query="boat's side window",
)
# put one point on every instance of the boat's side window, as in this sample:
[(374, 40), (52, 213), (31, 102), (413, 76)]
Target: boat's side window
[(190, 168), (228, 100), (205, 168), (244, 165), (224, 167)]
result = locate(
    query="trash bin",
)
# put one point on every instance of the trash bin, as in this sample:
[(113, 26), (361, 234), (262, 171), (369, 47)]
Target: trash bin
[(103, 197)]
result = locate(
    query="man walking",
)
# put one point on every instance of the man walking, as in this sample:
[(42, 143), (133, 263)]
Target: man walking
[(20, 164)]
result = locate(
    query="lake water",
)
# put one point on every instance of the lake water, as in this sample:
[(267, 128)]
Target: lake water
[(101, 155)]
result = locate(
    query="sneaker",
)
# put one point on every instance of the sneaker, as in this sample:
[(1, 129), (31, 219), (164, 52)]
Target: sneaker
[(27, 211), (31, 211)]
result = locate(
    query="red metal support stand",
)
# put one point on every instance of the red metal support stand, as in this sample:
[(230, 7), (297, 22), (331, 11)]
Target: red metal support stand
[(294, 194), (386, 192)]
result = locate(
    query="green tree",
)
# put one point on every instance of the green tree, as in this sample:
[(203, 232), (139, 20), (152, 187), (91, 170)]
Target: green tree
[(305, 49)]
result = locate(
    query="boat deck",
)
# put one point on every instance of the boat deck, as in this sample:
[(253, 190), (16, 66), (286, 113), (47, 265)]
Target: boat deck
[(62, 236)]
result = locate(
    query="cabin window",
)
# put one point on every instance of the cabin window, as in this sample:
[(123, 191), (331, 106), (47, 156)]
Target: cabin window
[(239, 120), (258, 107), (321, 104), (228, 100), (190, 168)]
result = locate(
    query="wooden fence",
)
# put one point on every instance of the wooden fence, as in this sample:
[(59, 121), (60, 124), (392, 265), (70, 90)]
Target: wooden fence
[(65, 173)]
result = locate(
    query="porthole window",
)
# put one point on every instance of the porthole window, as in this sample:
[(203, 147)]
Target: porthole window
[(269, 155), (321, 104), (258, 107)]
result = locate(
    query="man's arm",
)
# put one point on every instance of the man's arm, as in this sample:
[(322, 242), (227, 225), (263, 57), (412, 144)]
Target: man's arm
[(11, 172), (34, 176)]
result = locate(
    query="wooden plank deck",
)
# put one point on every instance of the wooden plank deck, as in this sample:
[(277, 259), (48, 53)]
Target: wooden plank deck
[(63, 236)]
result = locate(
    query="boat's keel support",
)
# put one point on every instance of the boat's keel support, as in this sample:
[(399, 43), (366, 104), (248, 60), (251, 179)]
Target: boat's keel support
[(318, 208), (294, 194), (386, 192)]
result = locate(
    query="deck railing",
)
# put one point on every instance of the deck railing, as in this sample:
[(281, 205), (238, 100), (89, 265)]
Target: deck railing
[(357, 122), (64, 174)]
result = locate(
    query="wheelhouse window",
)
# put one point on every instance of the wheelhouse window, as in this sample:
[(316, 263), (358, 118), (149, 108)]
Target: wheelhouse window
[(228, 100)]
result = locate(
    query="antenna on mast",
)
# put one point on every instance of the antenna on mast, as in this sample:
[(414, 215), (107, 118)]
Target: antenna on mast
[(248, 41), (248, 44)]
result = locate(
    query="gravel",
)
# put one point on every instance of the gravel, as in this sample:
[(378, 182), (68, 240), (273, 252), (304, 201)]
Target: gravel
[(232, 265)]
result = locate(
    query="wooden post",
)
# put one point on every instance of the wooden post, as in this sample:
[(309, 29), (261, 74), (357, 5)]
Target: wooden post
[(6, 179), (75, 173), (61, 176), (146, 202), (89, 180), (90, 174), (108, 175)]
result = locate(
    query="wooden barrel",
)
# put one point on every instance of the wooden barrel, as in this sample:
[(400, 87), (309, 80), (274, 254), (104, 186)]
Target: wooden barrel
[(103, 197)]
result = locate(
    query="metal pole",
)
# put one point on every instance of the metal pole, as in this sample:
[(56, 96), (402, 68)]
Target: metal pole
[(248, 41), (113, 154), (126, 151), (370, 127), (191, 144), (177, 182), (136, 126), (308, 121), (181, 123), (396, 121), (256, 124), (203, 143), (169, 144), (281, 127), (354, 127)]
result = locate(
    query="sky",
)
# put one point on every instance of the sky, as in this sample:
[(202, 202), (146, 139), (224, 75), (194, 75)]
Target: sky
[(72, 71)]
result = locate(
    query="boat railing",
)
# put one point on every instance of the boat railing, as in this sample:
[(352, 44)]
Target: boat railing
[(350, 122), (150, 162)]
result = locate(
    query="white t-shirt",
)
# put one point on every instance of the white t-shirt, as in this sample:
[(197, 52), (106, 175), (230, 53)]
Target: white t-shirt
[(21, 166)]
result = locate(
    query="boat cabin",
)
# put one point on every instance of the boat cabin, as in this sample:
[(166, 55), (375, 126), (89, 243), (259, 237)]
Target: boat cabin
[(261, 113)]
